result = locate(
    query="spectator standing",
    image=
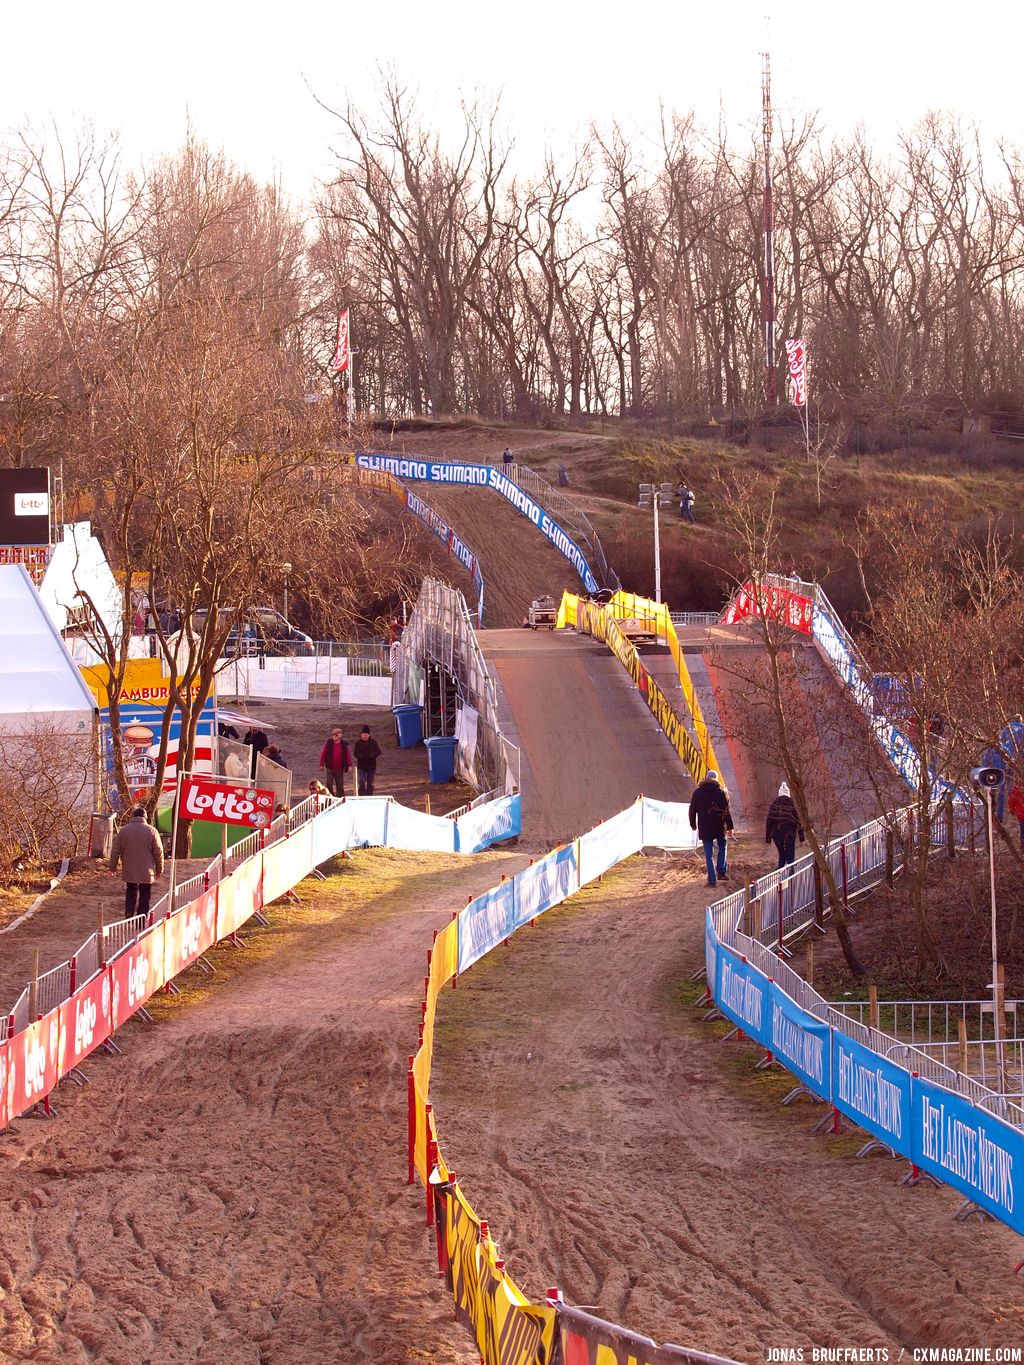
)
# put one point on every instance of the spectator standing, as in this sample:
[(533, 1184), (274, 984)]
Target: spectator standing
[(686, 500), (507, 457), (273, 752), (257, 740), (711, 817), (335, 761), (782, 826), (1015, 802), (367, 751), (138, 849)]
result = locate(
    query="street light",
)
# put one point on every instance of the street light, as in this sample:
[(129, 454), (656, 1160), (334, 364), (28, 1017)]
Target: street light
[(653, 495), (286, 570), (990, 780)]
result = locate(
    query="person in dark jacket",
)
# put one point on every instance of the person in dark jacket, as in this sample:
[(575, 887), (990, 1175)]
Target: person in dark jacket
[(335, 761), (782, 825), (367, 751), (257, 740), (711, 817)]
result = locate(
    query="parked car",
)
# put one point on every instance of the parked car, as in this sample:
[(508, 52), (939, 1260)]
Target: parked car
[(263, 630)]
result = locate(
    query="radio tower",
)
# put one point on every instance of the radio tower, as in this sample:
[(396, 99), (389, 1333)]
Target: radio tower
[(770, 396)]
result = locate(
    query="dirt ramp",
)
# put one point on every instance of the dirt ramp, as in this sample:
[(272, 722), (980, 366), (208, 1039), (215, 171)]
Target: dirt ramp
[(590, 745)]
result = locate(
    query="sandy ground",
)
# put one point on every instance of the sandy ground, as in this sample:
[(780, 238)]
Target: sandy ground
[(623, 1153)]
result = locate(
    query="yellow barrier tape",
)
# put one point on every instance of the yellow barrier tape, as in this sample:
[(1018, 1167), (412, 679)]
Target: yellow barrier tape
[(509, 1330), (600, 621)]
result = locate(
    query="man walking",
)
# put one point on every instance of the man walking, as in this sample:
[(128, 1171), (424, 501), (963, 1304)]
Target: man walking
[(686, 501), (711, 817), (367, 751), (782, 825), (138, 848), (335, 761)]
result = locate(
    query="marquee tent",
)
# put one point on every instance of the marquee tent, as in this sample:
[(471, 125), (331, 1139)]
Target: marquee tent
[(41, 689)]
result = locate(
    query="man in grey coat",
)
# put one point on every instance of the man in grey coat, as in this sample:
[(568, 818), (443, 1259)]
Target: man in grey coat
[(138, 848)]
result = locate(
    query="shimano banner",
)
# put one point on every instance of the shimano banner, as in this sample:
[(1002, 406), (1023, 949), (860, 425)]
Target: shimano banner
[(486, 476)]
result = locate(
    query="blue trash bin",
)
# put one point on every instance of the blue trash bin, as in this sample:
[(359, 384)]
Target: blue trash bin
[(441, 757), (409, 724)]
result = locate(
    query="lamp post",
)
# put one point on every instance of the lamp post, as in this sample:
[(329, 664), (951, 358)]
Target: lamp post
[(286, 570), (653, 495), (990, 780)]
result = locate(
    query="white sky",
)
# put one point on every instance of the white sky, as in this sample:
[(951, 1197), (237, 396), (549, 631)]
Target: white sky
[(242, 73)]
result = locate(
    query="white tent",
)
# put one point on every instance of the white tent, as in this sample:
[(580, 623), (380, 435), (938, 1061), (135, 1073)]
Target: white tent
[(38, 677), (78, 581)]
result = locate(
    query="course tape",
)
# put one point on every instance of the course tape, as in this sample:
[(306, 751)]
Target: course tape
[(417, 468), (602, 621), (507, 1327), (34, 1059)]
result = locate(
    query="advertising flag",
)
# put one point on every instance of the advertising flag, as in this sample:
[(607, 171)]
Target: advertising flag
[(796, 355), (341, 350)]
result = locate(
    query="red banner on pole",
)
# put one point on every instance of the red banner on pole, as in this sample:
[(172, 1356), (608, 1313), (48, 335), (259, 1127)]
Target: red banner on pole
[(341, 350), (226, 803), (773, 603), (796, 355)]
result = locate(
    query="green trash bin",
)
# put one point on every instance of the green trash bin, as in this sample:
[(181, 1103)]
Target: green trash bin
[(409, 724), (441, 757)]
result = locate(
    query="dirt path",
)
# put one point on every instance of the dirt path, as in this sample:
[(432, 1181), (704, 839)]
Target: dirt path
[(620, 1151), (232, 1188)]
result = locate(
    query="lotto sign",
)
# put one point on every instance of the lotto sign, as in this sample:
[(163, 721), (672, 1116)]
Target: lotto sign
[(189, 932), (772, 603), (226, 804), (25, 506), (135, 974), (85, 1021), (35, 1063)]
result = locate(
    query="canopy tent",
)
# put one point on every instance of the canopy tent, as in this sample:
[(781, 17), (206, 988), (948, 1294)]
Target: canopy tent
[(39, 681)]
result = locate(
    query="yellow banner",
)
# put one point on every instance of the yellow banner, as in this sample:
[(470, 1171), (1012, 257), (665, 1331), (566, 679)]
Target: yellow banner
[(144, 681), (602, 622), (509, 1330)]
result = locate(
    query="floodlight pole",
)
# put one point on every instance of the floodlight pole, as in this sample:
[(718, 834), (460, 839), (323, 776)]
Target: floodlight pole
[(657, 548)]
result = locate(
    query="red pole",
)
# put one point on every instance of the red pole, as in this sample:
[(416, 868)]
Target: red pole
[(412, 1125), (779, 888), (431, 1163), (835, 1120), (842, 864), (74, 976)]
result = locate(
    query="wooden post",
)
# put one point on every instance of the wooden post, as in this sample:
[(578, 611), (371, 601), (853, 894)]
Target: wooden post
[(33, 986), (890, 857), (819, 899), (810, 962), (755, 911), (426, 803), (961, 1046), (101, 946), (747, 920), (950, 828), (873, 1007)]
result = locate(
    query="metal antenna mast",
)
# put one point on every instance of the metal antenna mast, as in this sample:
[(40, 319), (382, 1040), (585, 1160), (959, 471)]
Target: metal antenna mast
[(770, 395)]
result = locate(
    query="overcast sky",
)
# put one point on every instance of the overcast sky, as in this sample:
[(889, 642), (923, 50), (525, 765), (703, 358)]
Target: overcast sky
[(243, 74)]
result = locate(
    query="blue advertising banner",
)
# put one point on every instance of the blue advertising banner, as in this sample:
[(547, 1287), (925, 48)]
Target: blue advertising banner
[(969, 1149), (742, 993), (485, 922), (871, 1090), (489, 824), (486, 476), (800, 1042), (548, 882)]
